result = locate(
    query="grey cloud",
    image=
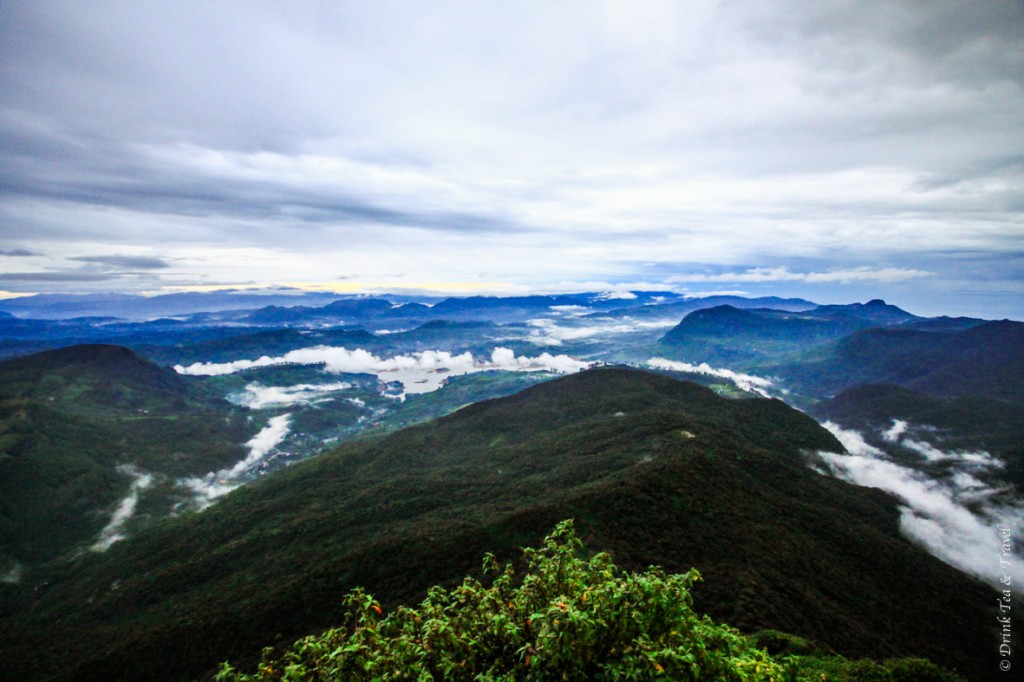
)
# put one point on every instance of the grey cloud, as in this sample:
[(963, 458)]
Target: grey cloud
[(18, 253), (58, 276), (125, 262), (103, 173)]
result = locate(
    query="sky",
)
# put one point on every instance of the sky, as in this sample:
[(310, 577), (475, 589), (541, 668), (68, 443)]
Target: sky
[(836, 150)]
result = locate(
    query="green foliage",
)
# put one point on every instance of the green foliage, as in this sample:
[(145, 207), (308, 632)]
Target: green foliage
[(569, 618)]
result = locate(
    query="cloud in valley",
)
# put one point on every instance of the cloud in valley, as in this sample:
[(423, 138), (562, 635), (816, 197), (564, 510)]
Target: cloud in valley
[(553, 332), (114, 530), (955, 518), (357, 361), (746, 382), (204, 490), (257, 397)]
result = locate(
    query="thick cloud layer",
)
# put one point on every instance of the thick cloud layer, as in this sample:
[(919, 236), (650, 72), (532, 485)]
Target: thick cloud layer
[(418, 372), (553, 332), (825, 149), (956, 518)]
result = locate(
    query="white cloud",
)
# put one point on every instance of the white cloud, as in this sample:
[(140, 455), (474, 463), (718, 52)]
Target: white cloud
[(897, 434), (204, 490), (114, 530), (617, 296), (940, 515), (894, 432), (257, 397), (418, 372), (550, 332), (746, 382), (539, 141), (505, 358)]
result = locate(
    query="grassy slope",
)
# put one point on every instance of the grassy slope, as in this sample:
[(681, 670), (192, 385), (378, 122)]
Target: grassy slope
[(779, 545)]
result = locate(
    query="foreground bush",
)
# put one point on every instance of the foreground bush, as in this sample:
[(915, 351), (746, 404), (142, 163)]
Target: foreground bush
[(569, 618)]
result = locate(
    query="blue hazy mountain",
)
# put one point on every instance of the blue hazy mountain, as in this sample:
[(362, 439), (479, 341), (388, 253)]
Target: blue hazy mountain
[(680, 308)]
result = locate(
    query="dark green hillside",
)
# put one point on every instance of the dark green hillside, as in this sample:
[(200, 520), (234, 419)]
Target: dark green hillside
[(163, 422), (70, 417), (655, 470), (726, 335), (985, 360), (89, 378), (57, 477)]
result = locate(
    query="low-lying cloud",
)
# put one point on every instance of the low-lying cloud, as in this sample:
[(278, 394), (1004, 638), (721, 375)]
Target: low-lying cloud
[(114, 530), (206, 489), (359, 361), (955, 518), (549, 332), (746, 382), (259, 397), (897, 435)]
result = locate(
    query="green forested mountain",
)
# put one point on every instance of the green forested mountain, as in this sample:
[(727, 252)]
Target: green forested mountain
[(70, 418), (654, 470), (985, 360), (735, 337), (161, 420), (58, 479)]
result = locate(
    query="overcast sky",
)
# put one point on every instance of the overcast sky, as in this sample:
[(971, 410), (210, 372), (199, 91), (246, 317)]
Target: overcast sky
[(836, 150)]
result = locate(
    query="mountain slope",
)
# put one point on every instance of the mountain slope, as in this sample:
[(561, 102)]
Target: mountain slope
[(165, 422), (57, 477), (727, 335), (959, 424), (93, 377), (76, 422), (985, 360), (654, 470)]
